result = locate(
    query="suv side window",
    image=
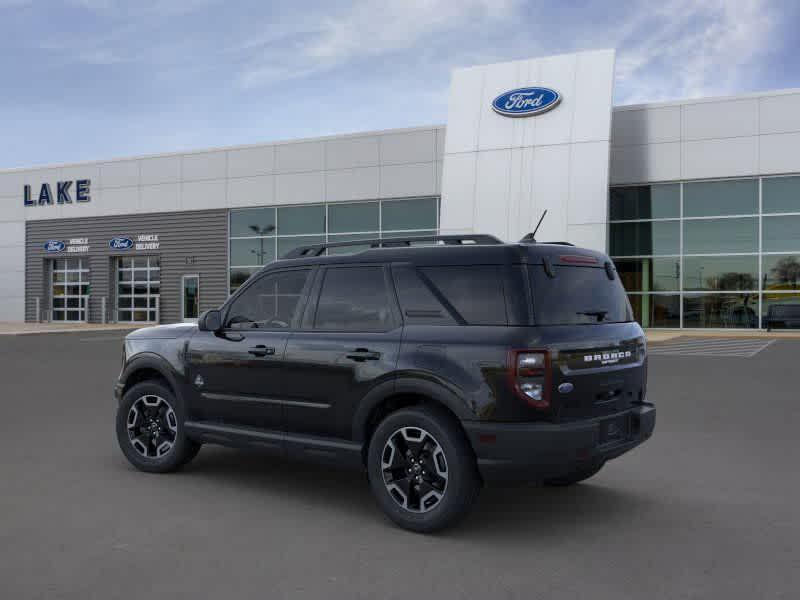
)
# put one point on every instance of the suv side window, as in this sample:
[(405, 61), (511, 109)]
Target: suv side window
[(476, 292), (269, 303), (354, 299)]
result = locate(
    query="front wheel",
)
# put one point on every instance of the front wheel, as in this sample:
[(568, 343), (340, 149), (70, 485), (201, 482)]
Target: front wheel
[(421, 469), (150, 429)]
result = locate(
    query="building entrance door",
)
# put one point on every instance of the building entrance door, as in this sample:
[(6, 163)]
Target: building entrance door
[(138, 289), (191, 297), (69, 290)]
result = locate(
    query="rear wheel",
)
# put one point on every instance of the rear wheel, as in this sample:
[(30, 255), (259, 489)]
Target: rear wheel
[(575, 476), (421, 469), (150, 429)]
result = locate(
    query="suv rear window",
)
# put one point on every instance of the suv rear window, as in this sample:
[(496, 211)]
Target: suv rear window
[(475, 292), (578, 296)]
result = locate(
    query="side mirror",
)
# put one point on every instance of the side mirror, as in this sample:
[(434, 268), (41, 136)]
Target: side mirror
[(211, 320)]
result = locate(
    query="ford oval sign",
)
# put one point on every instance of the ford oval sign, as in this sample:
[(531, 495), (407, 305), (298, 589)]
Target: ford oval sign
[(526, 102), (54, 246), (120, 243)]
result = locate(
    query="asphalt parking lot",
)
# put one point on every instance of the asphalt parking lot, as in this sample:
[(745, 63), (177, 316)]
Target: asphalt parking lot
[(709, 508)]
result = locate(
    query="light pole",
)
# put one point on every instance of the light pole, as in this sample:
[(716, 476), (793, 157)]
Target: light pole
[(261, 232)]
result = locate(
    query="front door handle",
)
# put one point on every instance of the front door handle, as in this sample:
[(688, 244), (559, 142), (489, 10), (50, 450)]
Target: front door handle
[(262, 350), (362, 354)]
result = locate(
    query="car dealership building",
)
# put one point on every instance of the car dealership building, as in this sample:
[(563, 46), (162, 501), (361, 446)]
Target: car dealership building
[(697, 201)]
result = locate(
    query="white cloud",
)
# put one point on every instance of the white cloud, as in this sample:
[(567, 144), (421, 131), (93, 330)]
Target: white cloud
[(691, 48)]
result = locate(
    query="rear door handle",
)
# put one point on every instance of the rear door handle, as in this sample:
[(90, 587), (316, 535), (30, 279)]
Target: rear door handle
[(262, 350), (362, 354)]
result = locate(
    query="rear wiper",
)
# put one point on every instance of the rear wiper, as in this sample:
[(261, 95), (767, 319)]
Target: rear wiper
[(600, 314)]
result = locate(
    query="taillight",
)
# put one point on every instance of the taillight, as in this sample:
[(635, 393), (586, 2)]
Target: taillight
[(529, 373)]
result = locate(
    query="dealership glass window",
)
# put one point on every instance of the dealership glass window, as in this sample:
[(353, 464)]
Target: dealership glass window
[(649, 274), (138, 288), (294, 226), (645, 238), (780, 194), (645, 202), (720, 273), (720, 310), (720, 236), (70, 289), (717, 198), (780, 272), (420, 213), (656, 310), (781, 234), (771, 308)]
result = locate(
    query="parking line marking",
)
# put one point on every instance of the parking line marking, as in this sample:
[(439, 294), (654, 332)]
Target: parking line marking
[(740, 348)]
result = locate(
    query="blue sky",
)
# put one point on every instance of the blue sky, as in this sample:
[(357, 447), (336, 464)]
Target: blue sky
[(96, 79)]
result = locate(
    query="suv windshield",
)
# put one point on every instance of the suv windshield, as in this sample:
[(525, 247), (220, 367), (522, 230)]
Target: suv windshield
[(578, 296)]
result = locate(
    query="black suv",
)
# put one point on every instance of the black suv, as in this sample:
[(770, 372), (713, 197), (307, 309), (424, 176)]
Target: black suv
[(435, 363)]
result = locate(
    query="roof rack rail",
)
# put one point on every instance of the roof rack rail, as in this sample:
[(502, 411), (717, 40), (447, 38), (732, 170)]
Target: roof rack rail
[(558, 243), (447, 240)]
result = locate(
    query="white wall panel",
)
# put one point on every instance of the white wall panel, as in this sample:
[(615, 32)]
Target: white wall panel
[(204, 165), (122, 173), (720, 119), (554, 126), (248, 162), (298, 188), (779, 153), (160, 169), (251, 191), (588, 236), (651, 162), (118, 201), (398, 181), (11, 209), (588, 186), (594, 90), (730, 157), (199, 195), (12, 308), (464, 110), (160, 198), (351, 184), (496, 131), (301, 156), (458, 206), (551, 172), (12, 234), (11, 183), (41, 213), (351, 152), (408, 147), (646, 126), (492, 201), (780, 113)]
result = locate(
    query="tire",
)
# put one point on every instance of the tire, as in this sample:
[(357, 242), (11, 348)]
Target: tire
[(575, 476), (154, 448), (440, 455)]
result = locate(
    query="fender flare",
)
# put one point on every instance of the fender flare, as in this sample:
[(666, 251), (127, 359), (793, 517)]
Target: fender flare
[(417, 385), (149, 360)]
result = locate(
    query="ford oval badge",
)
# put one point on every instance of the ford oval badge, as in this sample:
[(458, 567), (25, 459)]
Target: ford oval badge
[(54, 246), (566, 387), (526, 102), (120, 243)]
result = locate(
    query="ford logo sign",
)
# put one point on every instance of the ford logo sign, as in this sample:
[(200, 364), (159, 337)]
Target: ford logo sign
[(526, 102), (120, 243), (54, 246)]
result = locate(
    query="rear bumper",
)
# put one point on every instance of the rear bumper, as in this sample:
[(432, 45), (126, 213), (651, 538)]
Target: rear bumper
[(536, 451)]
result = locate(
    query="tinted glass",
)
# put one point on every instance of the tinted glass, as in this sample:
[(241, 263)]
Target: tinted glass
[(476, 293), (720, 310), (720, 273), (774, 308), (271, 302), (780, 194), (359, 216), (717, 236), (655, 310), (256, 251), (296, 220), (578, 295), (354, 299), (409, 214), (781, 234), (781, 272), (417, 302), (644, 239), (645, 202), (287, 244), (253, 221), (649, 274), (351, 237), (712, 198), (239, 276)]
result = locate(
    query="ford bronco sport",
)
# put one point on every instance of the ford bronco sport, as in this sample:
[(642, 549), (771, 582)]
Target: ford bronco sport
[(434, 363)]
